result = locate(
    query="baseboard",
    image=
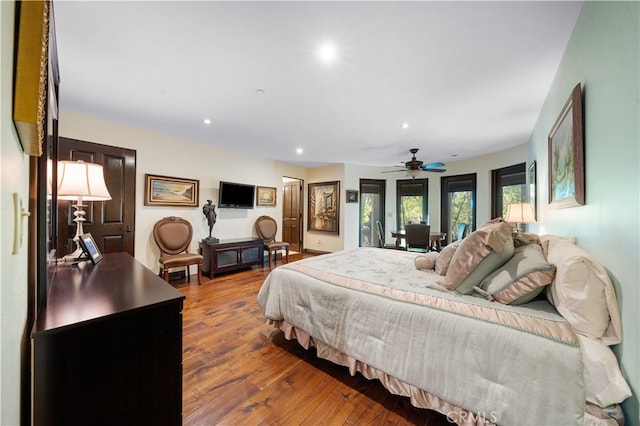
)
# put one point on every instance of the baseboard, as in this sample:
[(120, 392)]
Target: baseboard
[(311, 251)]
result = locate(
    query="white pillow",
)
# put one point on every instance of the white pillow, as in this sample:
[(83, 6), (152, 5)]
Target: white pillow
[(603, 380), (583, 293)]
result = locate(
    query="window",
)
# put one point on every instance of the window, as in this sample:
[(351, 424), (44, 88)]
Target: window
[(412, 201), (508, 185), (371, 210), (458, 204)]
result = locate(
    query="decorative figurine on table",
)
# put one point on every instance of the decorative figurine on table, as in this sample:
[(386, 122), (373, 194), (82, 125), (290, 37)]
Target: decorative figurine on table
[(209, 211)]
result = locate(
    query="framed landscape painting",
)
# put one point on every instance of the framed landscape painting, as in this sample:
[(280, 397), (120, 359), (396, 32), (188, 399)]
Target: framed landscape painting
[(170, 191), (566, 158), (324, 207), (266, 196)]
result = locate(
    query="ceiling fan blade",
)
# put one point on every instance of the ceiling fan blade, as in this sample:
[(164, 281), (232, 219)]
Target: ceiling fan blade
[(395, 171), (432, 165), (435, 170)]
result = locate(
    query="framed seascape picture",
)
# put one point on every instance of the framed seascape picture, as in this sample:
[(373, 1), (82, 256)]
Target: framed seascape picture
[(170, 191), (566, 157), (266, 196), (352, 196), (532, 188), (324, 207)]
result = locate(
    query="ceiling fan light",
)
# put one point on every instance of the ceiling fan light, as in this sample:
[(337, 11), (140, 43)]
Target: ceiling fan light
[(414, 173)]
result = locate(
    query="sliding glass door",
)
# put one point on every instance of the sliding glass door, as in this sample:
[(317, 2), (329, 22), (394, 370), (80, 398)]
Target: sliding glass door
[(458, 204), (371, 210), (508, 185), (412, 201)]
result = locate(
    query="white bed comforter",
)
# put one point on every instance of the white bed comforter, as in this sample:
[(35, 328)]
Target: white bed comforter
[(507, 364)]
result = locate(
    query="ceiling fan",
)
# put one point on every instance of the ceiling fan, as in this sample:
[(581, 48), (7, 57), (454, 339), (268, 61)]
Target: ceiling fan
[(414, 166)]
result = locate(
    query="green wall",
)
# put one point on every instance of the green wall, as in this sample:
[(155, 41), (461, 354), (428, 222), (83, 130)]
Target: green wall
[(603, 55)]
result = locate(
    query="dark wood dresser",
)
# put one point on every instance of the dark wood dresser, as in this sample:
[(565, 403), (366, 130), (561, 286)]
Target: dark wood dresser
[(107, 348)]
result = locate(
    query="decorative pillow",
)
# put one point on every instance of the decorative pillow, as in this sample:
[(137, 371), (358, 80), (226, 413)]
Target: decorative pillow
[(490, 238), (521, 279), (583, 294), (444, 259), (494, 261), (603, 380), (426, 262)]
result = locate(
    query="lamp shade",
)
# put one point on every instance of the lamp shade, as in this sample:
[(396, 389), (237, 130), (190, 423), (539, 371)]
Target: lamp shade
[(520, 213), (80, 179)]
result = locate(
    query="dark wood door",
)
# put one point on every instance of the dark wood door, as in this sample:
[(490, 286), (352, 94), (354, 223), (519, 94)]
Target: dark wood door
[(292, 214), (110, 222)]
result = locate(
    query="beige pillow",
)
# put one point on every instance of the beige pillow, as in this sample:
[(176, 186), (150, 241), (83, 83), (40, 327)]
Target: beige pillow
[(603, 381), (546, 238), (444, 259), (489, 238), (426, 262), (583, 294), (521, 279)]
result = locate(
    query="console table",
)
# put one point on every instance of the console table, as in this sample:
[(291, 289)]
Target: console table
[(107, 347), (231, 255)]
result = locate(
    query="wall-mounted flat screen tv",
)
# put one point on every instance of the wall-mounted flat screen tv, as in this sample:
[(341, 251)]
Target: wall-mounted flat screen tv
[(236, 195)]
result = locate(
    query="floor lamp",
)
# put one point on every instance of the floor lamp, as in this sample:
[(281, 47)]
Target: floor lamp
[(80, 181)]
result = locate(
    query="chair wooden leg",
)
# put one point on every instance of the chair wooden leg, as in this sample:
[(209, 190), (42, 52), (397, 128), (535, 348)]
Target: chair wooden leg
[(165, 274), (269, 259), (188, 274), (199, 273)]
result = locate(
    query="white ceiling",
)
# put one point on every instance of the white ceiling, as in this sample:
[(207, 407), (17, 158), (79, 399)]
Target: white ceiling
[(469, 77)]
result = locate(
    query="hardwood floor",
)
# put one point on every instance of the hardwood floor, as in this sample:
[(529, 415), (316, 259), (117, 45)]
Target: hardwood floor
[(239, 371)]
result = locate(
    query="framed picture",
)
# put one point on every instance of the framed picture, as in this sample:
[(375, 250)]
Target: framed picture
[(566, 158), (352, 196), (324, 207), (532, 188), (266, 196), (90, 248), (170, 191)]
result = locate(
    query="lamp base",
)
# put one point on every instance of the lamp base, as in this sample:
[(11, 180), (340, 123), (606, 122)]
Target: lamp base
[(78, 254)]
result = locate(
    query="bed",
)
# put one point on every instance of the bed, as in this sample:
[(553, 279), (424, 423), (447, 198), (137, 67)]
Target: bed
[(467, 356)]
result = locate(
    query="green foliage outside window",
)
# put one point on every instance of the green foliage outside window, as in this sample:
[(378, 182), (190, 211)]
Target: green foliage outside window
[(461, 210), (511, 194), (410, 208)]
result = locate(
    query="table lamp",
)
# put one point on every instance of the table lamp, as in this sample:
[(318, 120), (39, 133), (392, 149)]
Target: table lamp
[(80, 181), (519, 213)]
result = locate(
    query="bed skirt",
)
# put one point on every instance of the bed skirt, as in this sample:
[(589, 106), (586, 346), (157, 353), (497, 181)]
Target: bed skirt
[(420, 398)]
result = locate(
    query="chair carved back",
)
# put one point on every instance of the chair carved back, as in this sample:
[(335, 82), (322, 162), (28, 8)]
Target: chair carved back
[(173, 235), (267, 227)]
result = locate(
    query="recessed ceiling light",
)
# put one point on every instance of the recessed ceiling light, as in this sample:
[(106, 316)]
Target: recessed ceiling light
[(299, 151), (405, 125), (327, 53), (206, 121), (454, 155), (260, 91)]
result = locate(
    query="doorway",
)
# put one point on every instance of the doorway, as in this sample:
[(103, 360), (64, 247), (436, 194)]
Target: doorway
[(292, 213), (111, 223)]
